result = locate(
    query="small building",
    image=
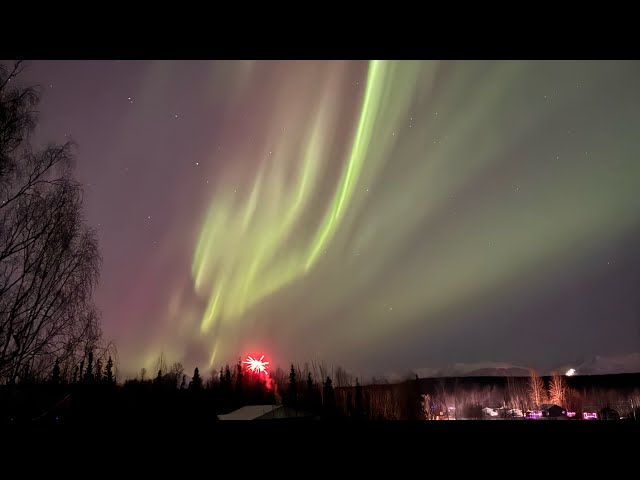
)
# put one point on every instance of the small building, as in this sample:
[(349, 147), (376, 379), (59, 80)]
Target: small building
[(550, 410), (249, 412), (266, 412), (506, 412)]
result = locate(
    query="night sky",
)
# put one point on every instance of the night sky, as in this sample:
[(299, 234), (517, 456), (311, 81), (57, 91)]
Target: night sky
[(379, 215)]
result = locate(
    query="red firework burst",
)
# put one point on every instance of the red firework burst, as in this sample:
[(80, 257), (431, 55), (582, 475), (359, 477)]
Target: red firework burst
[(257, 366)]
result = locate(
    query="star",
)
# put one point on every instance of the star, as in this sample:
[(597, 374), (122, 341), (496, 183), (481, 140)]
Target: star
[(259, 254)]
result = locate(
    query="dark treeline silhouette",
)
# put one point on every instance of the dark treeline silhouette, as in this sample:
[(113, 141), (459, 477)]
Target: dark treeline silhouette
[(92, 395)]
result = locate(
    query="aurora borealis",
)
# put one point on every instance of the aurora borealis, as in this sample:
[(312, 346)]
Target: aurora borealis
[(384, 214)]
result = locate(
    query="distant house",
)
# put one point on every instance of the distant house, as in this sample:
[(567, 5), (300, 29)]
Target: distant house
[(550, 410), (510, 412), (591, 412), (266, 412), (490, 412)]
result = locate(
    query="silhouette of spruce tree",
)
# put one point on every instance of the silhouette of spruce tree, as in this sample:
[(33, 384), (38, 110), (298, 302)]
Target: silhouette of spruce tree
[(98, 372), (196, 381), (88, 376), (225, 386), (329, 399), (55, 373), (239, 382), (108, 374), (227, 379), (311, 394), (293, 388), (183, 384), (75, 375)]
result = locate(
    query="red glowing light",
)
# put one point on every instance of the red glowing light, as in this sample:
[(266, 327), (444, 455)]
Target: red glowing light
[(257, 365)]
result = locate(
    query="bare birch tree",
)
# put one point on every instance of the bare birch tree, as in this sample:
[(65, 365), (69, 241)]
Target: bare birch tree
[(49, 258), (537, 392), (558, 390)]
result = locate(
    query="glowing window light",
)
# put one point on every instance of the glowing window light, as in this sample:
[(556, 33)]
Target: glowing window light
[(571, 372), (589, 415), (571, 414)]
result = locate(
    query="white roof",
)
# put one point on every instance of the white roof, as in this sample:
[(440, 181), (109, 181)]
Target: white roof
[(250, 412)]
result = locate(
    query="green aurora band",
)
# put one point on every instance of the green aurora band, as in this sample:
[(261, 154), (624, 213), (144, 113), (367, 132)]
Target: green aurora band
[(341, 185)]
